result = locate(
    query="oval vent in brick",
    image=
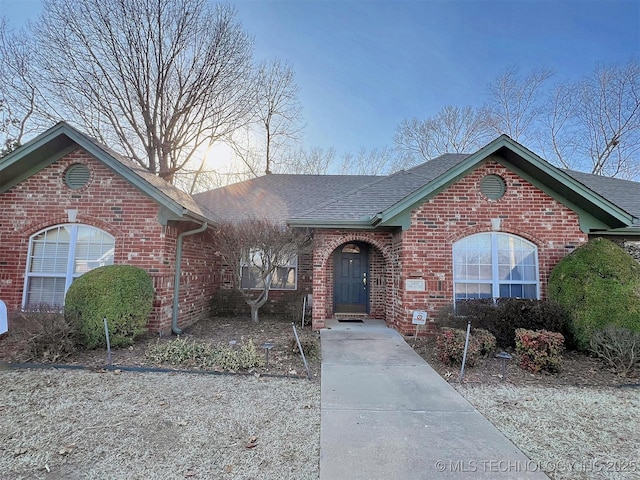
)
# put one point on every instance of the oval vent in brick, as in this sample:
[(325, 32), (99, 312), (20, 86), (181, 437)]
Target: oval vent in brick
[(77, 176), (493, 187)]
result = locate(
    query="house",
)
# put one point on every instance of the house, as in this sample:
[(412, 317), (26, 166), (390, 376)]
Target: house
[(69, 204), (488, 224)]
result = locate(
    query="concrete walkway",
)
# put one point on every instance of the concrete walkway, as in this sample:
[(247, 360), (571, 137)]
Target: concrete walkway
[(386, 414)]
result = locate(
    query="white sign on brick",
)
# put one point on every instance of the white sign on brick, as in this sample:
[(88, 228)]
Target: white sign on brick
[(415, 285)]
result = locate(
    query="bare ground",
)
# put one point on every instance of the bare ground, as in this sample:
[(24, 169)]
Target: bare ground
[(57, 424), (580, 423)]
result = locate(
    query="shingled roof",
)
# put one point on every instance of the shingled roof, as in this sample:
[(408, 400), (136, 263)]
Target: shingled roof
[(345, 199), (624, 193)]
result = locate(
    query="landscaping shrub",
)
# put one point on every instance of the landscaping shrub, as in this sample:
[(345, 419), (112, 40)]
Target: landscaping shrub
[(310, 346), (46, 335), (502, 317), (240, 358), (619, 347), (486, 339), (180, 352), (539, 350), (186, 353), (599, 285), (122, 294), (450, 346)]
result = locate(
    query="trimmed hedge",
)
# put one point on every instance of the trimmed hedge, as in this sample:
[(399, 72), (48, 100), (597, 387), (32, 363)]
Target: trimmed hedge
[(450, 346), (599, 284), (504, 316), (539, 350), (122, 294)]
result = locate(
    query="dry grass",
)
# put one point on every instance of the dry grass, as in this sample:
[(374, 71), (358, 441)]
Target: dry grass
[(570, 432), (80, 424)]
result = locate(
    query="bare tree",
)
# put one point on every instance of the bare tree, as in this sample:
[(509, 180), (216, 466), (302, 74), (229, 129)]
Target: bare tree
[(451, 130), (377, 161), (278, 109), (19, 94), (516, 102), (157, 79), (256, 250), (596, 122), (315, 161)]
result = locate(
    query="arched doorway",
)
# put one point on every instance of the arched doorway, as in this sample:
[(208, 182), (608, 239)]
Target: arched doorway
[(351, 278)]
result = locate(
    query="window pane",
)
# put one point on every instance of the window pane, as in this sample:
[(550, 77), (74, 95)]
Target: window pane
[(94, 248), (473, 290), (518, 290), (50, 251), (474, 266), (45, 290), (284, 278)]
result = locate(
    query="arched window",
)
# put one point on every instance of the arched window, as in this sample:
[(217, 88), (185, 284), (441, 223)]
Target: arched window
[(492, 265), (60, 254)]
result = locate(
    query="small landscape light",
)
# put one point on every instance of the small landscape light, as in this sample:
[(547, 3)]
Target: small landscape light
[(504, 358), (267, 346)]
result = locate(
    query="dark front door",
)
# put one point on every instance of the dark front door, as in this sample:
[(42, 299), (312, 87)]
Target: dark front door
[(351, 271)]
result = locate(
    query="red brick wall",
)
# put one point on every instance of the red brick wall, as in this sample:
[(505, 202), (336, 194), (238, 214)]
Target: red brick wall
[(424, 251), (285, 303), (461, 210), (108, 202), (325, 243)]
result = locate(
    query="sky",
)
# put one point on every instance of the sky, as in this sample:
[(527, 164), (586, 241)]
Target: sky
[(364, 66)]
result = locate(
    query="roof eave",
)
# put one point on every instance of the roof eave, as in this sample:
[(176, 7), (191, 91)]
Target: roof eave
[(363, 224), (393, 216), (54, 139)]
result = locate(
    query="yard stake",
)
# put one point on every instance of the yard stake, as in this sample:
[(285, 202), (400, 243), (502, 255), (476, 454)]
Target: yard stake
[(464, 355), (106, 332), (306, 366)]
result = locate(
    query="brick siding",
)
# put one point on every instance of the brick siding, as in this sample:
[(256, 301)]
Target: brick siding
[(424, 251), (112, 204)]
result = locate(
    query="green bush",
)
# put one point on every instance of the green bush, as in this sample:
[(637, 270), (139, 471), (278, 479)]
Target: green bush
[(502, 317), (599, 285), (539, 350), (450, 346), (122, 294)]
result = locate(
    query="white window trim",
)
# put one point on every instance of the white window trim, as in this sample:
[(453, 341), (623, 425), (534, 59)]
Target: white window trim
[(69, 276), (292, 264), (495, 282)]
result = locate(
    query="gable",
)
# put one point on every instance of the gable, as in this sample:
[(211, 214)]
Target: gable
[(391, 200), (62, 139)]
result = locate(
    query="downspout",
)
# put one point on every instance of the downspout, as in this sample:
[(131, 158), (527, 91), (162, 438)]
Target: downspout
[(176, 279)]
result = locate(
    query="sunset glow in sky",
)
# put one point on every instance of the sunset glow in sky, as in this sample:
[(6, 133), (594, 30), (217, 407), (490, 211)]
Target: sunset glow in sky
[(364, 66)]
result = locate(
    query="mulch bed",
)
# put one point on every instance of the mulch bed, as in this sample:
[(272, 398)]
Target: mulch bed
[(577, 369), (284, 358)]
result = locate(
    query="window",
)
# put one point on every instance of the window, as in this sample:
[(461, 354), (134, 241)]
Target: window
[(492, 265), (60, 254), (285, 277)]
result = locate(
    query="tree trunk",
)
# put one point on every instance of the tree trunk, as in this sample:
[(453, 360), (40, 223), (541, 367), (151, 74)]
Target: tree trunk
[(254, 313)]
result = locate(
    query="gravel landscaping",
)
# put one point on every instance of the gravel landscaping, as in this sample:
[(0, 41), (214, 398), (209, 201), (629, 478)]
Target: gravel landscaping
[(61, 424), (569, 432)]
